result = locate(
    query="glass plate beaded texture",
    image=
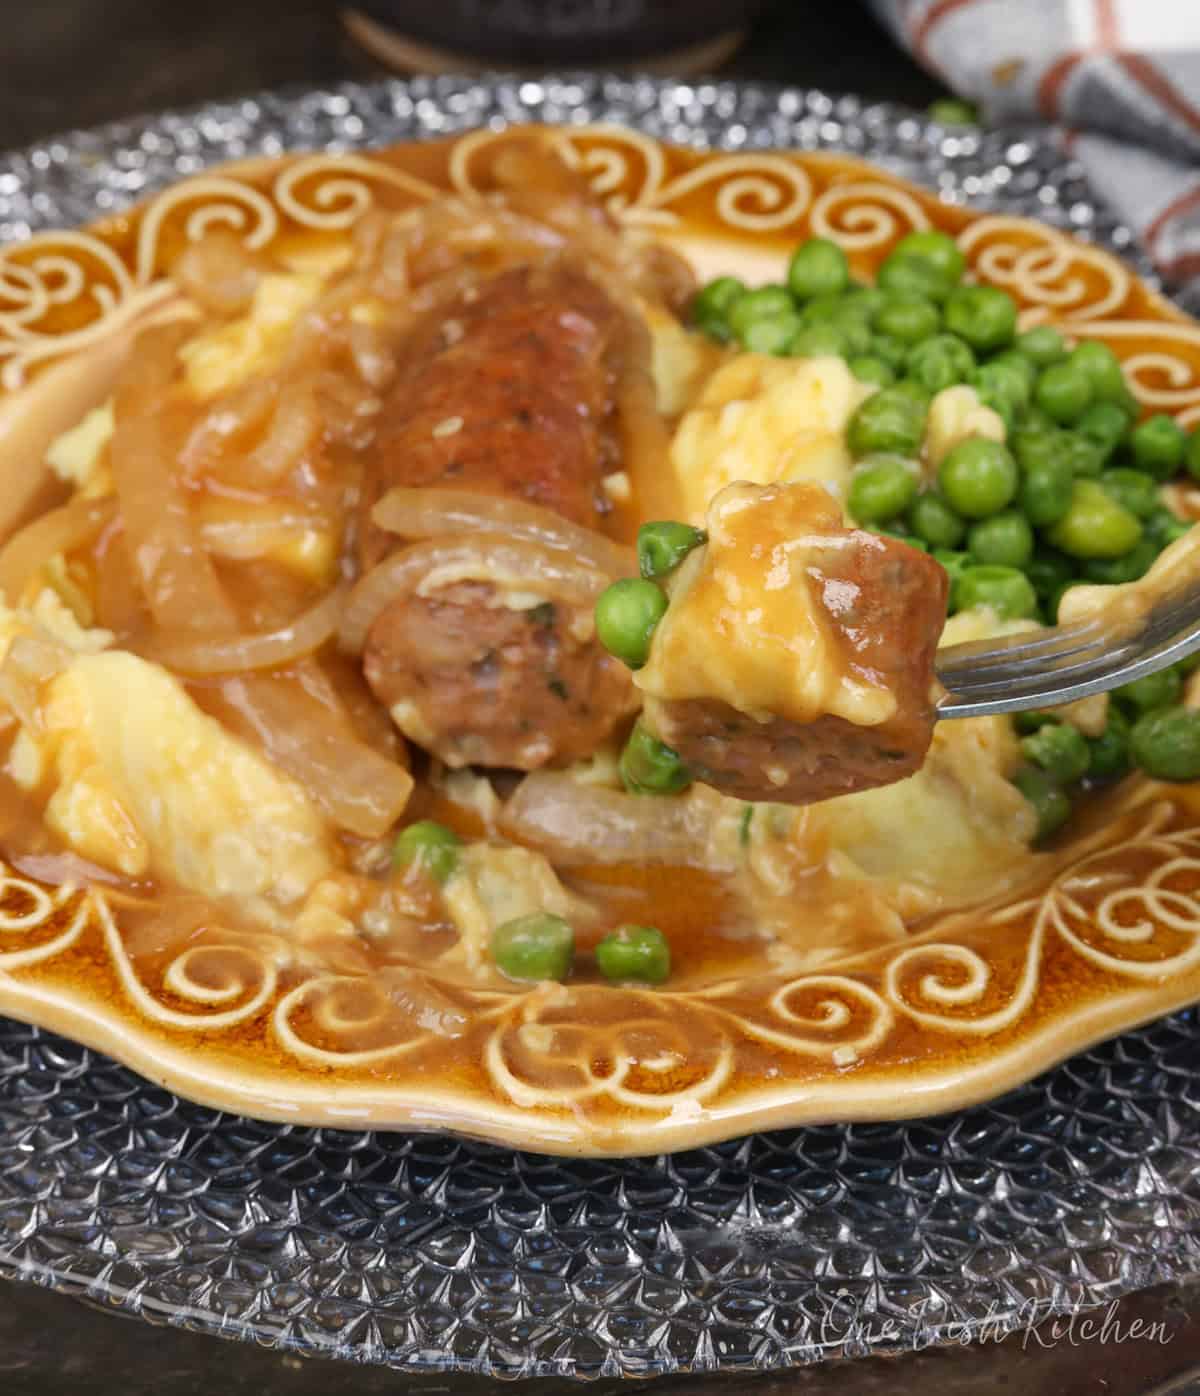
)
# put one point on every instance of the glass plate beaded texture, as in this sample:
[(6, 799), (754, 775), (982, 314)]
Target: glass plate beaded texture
[(435, 1254)]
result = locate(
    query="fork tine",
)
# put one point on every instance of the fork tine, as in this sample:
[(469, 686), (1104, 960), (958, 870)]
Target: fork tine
[(1097, 674), (1049, 667), (1029, 644), (1061, 669), (998, 659)]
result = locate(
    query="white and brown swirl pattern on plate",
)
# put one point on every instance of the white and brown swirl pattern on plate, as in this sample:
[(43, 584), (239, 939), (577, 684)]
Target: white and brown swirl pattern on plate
[(967, 1007)]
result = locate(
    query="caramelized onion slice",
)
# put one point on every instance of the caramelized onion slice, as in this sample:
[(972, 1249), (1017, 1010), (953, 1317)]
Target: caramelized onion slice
[(235, 654), (586, 825), (436, 513), (56, 400), (503, 561), (351, 784), (220, 272), (181, 587), (295, 426), (59, 531), (31, 662)]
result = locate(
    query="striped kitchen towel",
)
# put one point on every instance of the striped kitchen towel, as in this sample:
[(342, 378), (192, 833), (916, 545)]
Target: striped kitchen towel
[(1121, 77)]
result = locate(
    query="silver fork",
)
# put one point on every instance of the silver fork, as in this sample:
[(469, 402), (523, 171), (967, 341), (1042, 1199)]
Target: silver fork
[(1045, 668)]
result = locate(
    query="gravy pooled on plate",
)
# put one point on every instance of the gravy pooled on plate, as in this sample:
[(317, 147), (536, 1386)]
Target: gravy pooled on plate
[(314, 637)]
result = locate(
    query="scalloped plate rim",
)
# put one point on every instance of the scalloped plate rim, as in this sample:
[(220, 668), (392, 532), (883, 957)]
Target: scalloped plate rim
[(279, 1097)]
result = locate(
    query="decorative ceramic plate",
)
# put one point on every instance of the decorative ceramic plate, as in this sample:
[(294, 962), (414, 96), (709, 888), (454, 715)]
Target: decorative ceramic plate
[(437, 1254), (972, 1004)]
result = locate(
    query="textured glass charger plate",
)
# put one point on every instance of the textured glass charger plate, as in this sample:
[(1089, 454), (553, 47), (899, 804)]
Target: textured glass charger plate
[(433, 1253)]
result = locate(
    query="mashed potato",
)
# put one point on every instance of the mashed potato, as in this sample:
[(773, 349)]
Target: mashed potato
[(77, 456), (762, 420), (955, 826), (492, 885), (954, 415), (221, 358), (138, 779)]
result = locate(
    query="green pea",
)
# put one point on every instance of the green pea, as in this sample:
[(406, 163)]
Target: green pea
[(913, 276), (1002, 407), (1132, 489), (868, 369), (999, 382), (1163, 528), (534, 947), (1047, 488), (1104, 423), (855, 330), (908, 318), (818, 268), (953, 111), (889, 420), (627, 614), (818, 341), (1087, 461), (1048, 570), (938, 248), (825, 310), (637, 953), (1158, 445), (1095, 525), (984, 316), (712, 303), (940, 362), (894, 352), (661, 547), (1042, 346), (1033, 721), (774, 336), (1063, 392), (650, 767), (764, 303), (881, 488), (932, 520), (1152, 691), (1034, 421), (1059, 750), (863, 300), (1034, 445), (1115, 571), (916, 392), (955, 563), (1005, 539), (1056, 450), (1191, 455), (1051, 805), (978, 477), (1005, 590), (1102, 369), (1108, 754), (1016, 363), (1166, 744), (429, 847)]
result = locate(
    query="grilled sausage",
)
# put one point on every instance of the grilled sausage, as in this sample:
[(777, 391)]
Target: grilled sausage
[(509, 390)]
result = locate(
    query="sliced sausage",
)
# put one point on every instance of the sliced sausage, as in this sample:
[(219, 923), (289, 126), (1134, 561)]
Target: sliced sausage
[(881, 606)]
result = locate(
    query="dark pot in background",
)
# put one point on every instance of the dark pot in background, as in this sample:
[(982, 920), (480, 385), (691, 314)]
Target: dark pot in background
[(437, 35)]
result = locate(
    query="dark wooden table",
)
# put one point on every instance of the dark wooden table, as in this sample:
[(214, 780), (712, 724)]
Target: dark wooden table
[(70, 63)]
